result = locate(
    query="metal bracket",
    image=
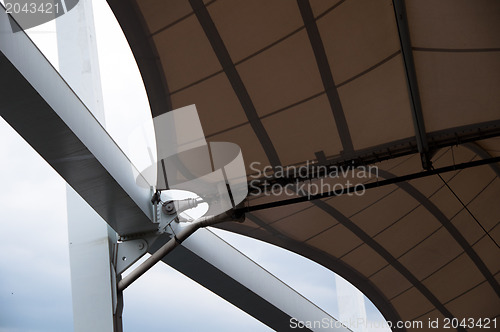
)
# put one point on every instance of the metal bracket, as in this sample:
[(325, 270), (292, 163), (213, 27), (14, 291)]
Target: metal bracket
[(159, 206), (164, 222), (155, 199), (129, 252)]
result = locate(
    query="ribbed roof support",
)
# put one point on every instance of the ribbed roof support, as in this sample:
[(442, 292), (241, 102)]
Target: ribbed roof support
[(411, 81)]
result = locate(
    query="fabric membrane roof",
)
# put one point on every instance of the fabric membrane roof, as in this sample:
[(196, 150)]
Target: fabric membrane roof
[(401, 85)]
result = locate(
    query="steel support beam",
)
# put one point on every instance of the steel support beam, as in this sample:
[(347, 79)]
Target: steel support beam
[(377, 184), (457, 136), (46, 112), (43, 109), (411, 80), (326, 75), (477, 149), (180, 235)]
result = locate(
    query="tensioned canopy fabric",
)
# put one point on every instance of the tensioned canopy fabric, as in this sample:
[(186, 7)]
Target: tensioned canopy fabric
[(401, 85)]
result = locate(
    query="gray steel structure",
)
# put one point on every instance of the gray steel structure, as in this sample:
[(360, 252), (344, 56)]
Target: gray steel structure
[(44, 110), (404, 85)]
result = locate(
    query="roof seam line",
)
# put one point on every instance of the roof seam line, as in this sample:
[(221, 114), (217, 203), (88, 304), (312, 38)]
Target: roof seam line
[(371, 290), (384, 253), (439, 228), (452, 230)]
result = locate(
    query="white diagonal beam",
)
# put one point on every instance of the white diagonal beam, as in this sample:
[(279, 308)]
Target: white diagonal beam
[(43, 109)]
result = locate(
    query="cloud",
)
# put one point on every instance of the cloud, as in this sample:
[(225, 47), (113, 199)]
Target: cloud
[(35, 292)]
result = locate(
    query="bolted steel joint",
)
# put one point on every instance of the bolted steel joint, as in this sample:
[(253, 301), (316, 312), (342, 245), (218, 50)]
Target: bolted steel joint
[(169, 207)]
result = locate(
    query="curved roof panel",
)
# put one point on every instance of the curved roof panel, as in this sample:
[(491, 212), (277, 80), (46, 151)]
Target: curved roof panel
[(401, 85)]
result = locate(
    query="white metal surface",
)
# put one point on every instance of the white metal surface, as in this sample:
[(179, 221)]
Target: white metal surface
[(91, 278), (217, 265), (239, 267), (70, 109), (91, 240), (127, 253), (351, 305)]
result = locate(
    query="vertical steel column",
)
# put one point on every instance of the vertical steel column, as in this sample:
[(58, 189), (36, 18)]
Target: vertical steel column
[(96, 306)]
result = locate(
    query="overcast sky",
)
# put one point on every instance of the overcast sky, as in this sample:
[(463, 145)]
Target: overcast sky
[(35, 289)]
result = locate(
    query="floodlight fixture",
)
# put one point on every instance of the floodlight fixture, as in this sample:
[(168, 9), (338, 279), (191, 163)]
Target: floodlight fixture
[(196, 184)]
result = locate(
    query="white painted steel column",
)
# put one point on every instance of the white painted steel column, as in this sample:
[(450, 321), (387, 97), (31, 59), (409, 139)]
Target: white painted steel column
[(351, 303), (90, 238)]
